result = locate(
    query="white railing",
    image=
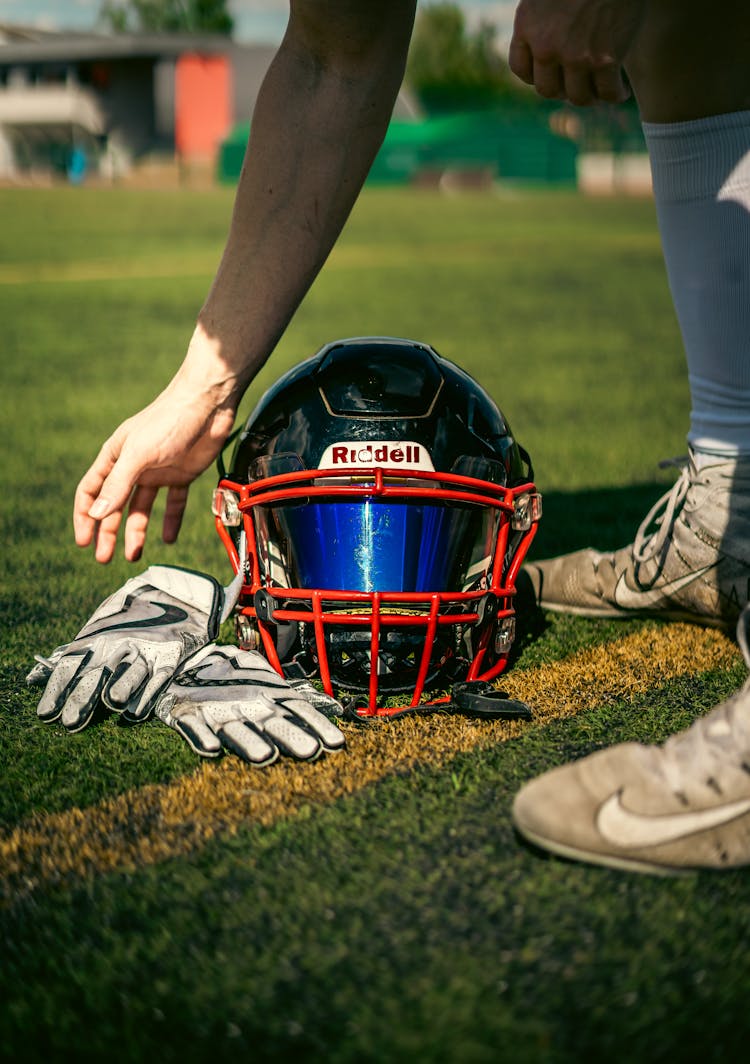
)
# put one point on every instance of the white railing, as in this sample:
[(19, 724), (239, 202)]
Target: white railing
[(51, 105)]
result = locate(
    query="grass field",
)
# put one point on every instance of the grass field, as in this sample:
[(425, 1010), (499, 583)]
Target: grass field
[(374, 906)]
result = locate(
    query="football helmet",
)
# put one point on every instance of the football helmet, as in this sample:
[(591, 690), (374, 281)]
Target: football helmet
[(379, 509)]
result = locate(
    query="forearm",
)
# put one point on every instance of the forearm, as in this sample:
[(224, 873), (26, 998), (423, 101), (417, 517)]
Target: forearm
[(319, 121)]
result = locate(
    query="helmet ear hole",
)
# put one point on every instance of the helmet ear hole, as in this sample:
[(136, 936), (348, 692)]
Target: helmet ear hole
[(388, 508)]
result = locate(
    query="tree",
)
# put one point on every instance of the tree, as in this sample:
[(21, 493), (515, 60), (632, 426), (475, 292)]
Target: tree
[(175, 16), (450, 68)]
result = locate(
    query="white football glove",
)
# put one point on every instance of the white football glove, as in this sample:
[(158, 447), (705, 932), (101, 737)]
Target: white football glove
[(131, 647), (224, 698)]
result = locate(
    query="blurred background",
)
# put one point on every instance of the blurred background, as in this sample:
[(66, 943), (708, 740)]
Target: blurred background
[(162, 92)]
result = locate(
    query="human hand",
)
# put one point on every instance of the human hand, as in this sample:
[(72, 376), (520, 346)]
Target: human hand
[(575, 50), (166, 445), (130, 647), (226, 699)]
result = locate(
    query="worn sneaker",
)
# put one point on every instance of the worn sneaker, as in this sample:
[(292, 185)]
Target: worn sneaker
[(690, 559), (665, 809)]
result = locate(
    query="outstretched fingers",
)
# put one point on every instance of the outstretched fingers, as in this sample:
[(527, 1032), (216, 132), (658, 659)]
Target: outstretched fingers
[(101, 497), (177, 497), (88, 493), (136, 525), (139, 517), (105, 537)]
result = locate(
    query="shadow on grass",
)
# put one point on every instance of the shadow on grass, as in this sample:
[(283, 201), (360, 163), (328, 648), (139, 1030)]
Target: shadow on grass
[(604, 518)]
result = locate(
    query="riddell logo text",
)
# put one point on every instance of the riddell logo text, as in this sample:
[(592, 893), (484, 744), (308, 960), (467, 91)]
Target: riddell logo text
[(386, 453), (343, 455)]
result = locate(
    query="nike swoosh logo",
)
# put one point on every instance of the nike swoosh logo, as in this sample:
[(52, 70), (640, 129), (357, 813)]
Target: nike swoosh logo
[(628, 598), (168, 614), (203, 676), (631, 830)]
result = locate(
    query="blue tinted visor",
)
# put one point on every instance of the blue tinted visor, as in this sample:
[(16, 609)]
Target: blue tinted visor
[(382, 545)]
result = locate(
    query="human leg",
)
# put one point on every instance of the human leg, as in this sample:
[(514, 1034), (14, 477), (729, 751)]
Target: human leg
[(685, 804), (691, 556)]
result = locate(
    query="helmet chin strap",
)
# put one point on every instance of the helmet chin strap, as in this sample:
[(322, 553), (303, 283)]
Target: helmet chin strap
[(478, 698), (470, 698)]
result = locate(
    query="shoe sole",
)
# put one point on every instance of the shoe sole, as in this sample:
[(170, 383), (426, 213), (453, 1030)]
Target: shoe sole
[(612, 614), (605, 860)]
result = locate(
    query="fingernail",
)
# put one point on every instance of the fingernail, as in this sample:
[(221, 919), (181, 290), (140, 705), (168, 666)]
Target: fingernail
[(99, 509)]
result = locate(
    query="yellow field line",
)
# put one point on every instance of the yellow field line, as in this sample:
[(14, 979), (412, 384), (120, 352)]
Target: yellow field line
[(161, 821), (107, 270), (353, 257), (203, 265)]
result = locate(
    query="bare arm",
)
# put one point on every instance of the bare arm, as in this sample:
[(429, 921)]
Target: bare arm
[(320, 118)]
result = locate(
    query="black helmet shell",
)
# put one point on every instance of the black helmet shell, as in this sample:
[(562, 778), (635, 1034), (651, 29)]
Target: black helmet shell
[(379, 388)]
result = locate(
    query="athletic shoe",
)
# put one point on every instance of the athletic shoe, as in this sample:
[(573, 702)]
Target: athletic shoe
[(690, 560), (683, 805)]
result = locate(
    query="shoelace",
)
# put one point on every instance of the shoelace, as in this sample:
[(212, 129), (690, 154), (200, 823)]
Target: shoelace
[(648, 543)]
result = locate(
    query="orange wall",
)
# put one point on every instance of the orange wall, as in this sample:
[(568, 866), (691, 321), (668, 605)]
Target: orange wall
[(203, 104)]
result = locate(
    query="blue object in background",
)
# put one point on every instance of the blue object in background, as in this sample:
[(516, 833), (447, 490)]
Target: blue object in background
[(77, 166)]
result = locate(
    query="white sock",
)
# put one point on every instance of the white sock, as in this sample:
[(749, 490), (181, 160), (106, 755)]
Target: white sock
[(701, 177)]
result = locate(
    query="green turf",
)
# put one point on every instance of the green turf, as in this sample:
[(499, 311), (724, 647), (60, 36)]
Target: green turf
[(425, 932), (406, 922)]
